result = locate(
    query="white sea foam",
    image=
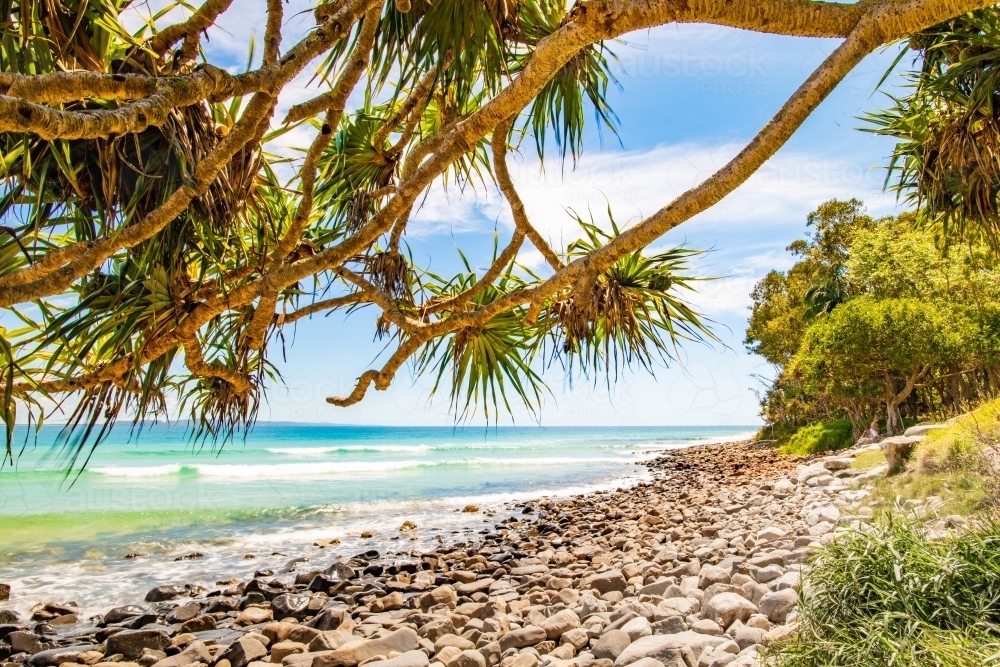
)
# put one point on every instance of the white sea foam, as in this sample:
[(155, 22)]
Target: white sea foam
[(334, 468), (310, 452), (139, 471)]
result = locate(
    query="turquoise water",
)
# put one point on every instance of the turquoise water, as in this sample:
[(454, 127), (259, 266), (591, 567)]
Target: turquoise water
[(288, 485)]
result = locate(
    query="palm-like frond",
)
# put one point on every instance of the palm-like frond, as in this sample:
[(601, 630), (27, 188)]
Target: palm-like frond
[(486, 365), (947, 159), (633, 312)]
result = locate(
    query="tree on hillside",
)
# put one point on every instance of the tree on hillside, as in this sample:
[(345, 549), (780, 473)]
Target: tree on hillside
[(913, 329), (149, 247), (875, 348)]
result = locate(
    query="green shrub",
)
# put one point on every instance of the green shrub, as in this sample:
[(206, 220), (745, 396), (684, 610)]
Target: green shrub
[(821, 437), (889, 596)]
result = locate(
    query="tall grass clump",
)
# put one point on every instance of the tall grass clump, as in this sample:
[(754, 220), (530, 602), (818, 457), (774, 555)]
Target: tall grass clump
[(820, 437), (888, 595)]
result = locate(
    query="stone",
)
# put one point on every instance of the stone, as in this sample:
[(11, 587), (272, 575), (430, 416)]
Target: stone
[(184, 612), (656, 588), (130, 643), (163, 593), (526, 636), (150, 657), (469, 658), (637, 627), (389, 602), (559, 623), (678, 607), (707, 627), (351, 653), (897, 450), (243, 651), (4, 592), (9, 617), (282, 649), (653, 662), (199, 624), (491, 653), (922, 429), (22, 641), (770, 533), (667, 647), (747, 636), (438, 628), (777, 604), (57, 656), (606, 582), (669, 626), (254, 616), (441, 595), (829, 513), (711, 574), (299, 659), (461, 643), (407, 659), (330, 640), (194, 652), (577, 638), (725, 608), (329, 618), (290, 605), (611, 644), (765, 574)]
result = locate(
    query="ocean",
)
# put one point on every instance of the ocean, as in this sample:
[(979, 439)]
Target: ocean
[(260, 502)]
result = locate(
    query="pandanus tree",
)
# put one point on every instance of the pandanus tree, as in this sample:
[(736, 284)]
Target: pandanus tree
[(150, 247)]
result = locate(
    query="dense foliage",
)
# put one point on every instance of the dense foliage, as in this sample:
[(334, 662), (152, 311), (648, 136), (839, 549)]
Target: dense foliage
[(891, 595), (874, 321)]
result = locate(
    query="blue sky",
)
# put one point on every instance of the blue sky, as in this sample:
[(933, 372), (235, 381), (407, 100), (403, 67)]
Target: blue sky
[(691, 97)]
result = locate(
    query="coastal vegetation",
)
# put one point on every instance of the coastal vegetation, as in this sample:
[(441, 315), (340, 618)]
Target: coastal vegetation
[(892, 595), (156, 252), (874, 321)]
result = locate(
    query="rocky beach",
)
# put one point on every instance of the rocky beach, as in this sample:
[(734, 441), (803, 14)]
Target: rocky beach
[(696, 567)]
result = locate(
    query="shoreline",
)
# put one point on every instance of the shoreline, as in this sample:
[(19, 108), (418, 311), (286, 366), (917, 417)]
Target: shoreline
[(78, 557), (638, 552)]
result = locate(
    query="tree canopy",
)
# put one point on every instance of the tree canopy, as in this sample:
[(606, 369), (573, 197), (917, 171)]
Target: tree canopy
[(150, 246), (900, 325)]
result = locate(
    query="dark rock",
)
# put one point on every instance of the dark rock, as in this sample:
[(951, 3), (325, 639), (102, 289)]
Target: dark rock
[(340, 571), (321, 582), (329, 618), (43, 629), (199, 624), (23, 641), (9, 617), (291, 565), (191, 556), (130, 643), (223, 605), (290, 605), (103, 634), (57, 656), (7, 628), (4, 591), (184, 612), (256, 586), (140, 621), (119, 614), (161, 593), (304, 578), (253, 597)]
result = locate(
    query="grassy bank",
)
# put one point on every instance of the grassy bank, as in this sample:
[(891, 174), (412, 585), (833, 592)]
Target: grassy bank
[(891, 596), (897, 592)]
